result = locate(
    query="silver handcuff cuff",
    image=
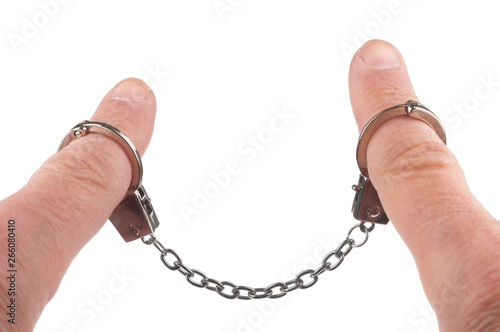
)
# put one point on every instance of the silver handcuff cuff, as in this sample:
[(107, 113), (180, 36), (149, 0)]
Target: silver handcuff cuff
[(367, 206), (135, 217)]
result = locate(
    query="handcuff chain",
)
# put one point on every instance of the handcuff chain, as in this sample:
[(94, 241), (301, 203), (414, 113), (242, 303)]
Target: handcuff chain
[(330, 262)]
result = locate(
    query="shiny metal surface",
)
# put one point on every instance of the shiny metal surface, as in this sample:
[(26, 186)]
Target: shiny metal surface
[(232, 291), (367, 206), (135, 216), (410, 108), (86, 127)]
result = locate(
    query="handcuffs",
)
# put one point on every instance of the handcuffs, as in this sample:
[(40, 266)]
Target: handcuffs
[(367, 206), (135, 216)]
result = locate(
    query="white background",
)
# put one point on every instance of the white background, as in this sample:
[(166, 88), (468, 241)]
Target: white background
[(226, 74)]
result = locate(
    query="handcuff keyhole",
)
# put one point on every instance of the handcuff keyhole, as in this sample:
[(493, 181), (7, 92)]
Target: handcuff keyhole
[(374, 211)]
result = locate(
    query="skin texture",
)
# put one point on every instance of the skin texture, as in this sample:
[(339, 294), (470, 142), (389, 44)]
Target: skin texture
[(412, 170), (415, 176), (84, 181)]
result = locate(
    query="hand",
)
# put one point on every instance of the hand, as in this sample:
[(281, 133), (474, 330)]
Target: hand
[(420, 183), (452, 238), (69, 198)]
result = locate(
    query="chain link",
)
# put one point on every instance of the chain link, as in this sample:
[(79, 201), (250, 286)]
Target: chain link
[(227, 289)]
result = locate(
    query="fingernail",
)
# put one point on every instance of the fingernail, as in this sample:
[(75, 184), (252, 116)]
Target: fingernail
[(130, 90), (379, 54)]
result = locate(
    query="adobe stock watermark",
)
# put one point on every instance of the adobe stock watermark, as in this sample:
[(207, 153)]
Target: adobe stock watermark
[(155, 76), (373, 28), (32, 25), (265, 308), (93, 305), (455, 115), (424, 319), (248, 149), (224, 7)]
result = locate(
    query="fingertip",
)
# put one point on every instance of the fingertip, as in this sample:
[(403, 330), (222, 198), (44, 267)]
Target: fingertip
[(130, 90), (131, 107), (379, 54), (378, 78)]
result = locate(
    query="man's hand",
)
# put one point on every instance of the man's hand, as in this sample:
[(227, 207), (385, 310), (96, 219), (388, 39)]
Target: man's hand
[(70, 197), (453, 239)]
